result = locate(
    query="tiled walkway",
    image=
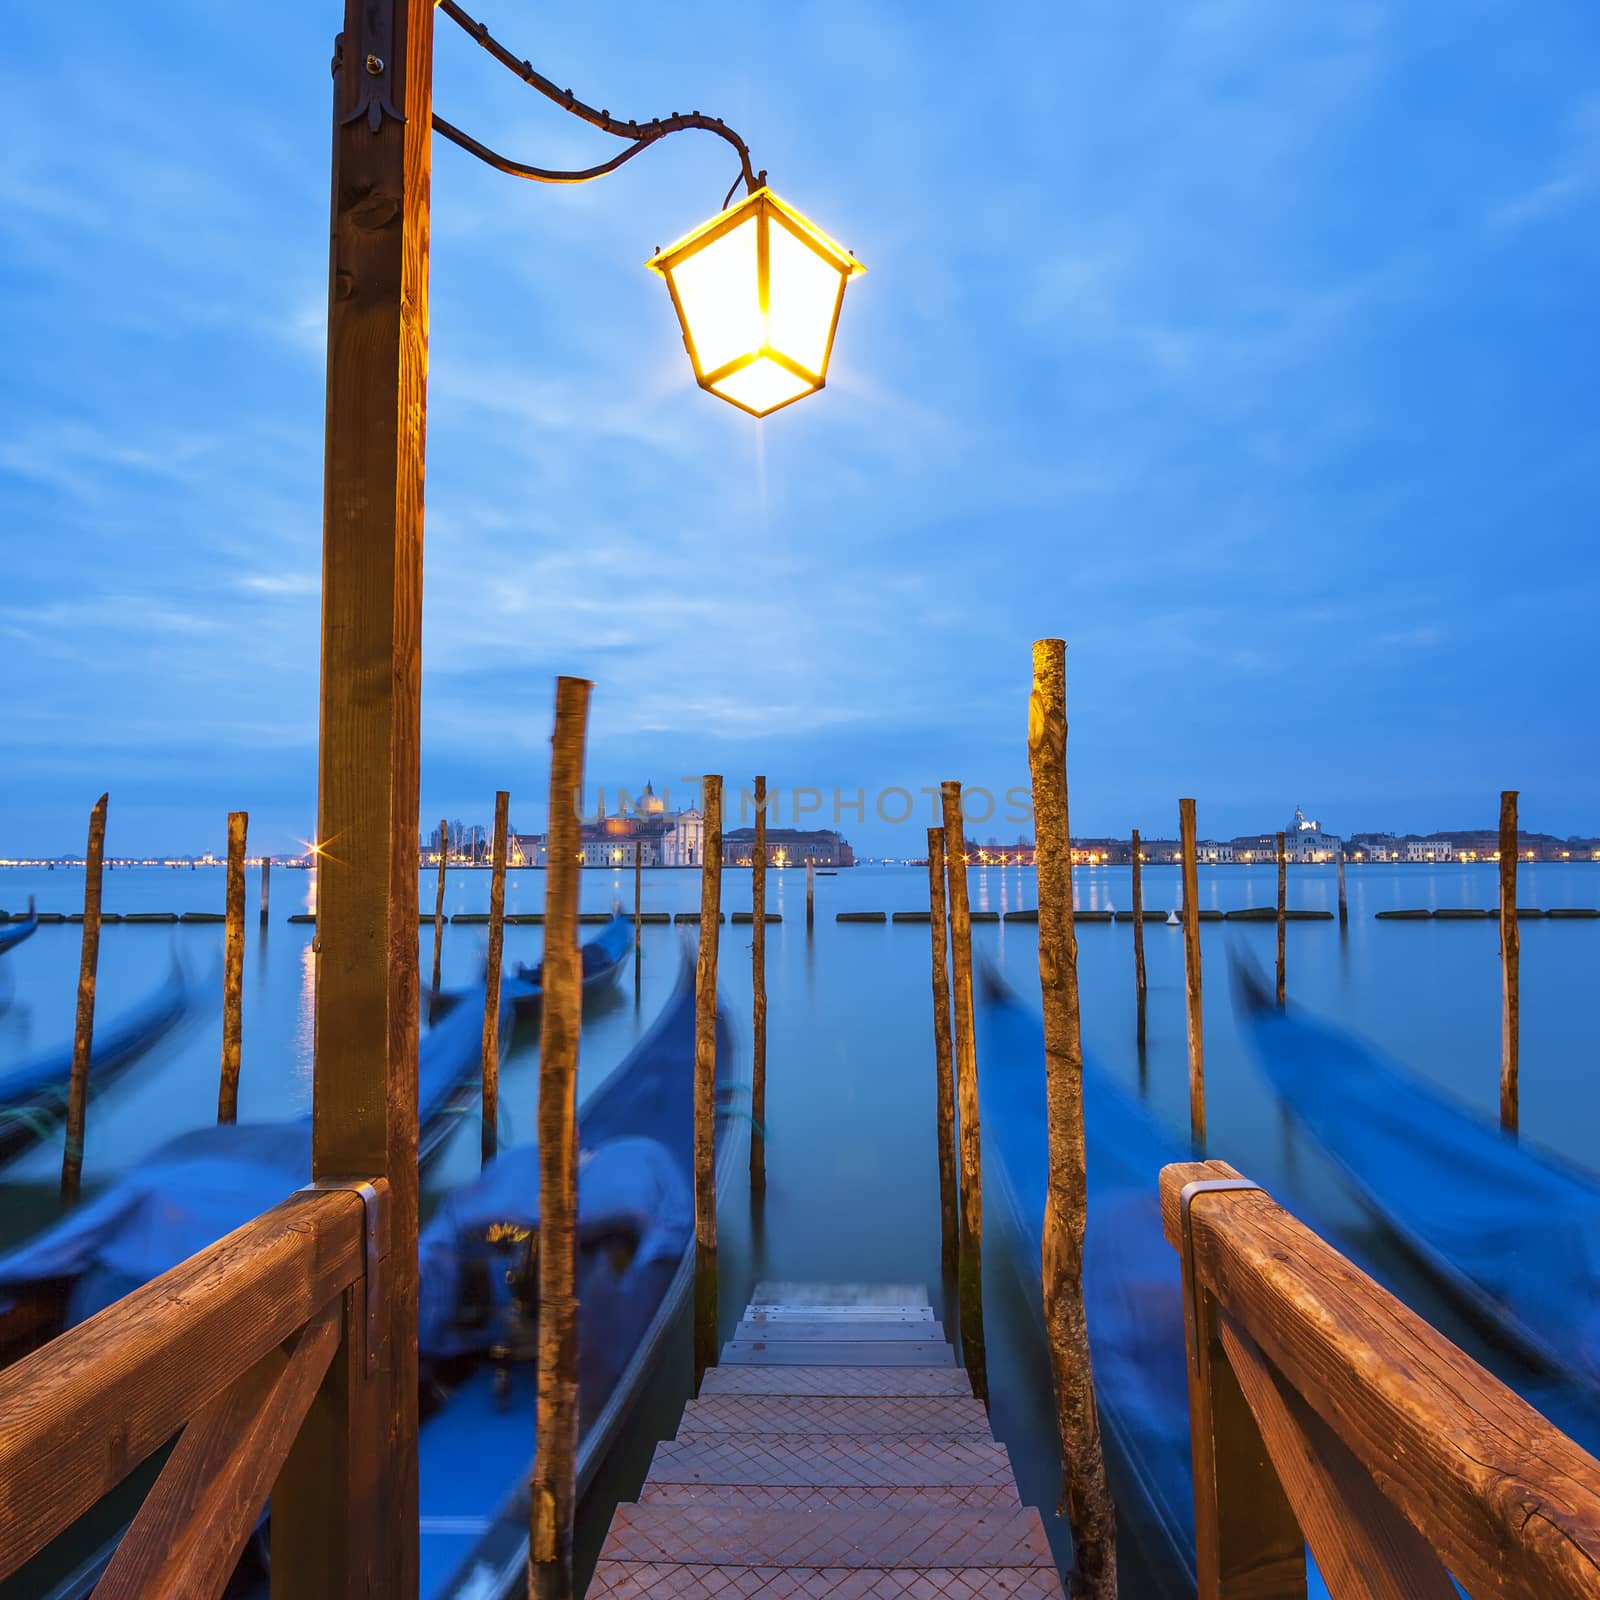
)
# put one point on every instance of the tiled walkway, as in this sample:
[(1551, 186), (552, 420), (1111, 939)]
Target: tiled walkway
[(837, 1451)]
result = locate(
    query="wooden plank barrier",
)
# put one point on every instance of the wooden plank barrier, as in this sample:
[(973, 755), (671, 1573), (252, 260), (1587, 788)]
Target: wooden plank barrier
[(1323, 1412), (198, 1349)]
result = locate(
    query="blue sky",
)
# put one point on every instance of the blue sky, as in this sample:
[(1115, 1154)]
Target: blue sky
[(1251, 347)]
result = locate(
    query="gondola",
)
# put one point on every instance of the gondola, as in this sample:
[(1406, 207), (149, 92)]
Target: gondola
[(13, 933), (199, 1186), (478, 1335), (1513, 1234), (33, 1094), (1131, 1279), (603, 959)]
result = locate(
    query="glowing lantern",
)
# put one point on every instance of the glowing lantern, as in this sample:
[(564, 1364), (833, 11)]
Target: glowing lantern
[(758, 291)]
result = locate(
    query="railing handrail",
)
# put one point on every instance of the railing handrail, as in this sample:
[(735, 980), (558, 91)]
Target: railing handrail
[(80, 1413), (1509, 1503)]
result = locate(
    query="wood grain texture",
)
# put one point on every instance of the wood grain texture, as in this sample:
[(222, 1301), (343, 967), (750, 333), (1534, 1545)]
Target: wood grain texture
[(233, 972), (970, 1275), (758, 995), (1140, 985), (83, 1022), (1364, 1548), (438, 902), (82, 1412), (192, 1528), (1191, 974), (554, 1491), (705, 1082), (944, 1078), (1283, 918), (365, 1071), (1085, 1492), (490, 1118), (1510, 966), (1509, 1503)]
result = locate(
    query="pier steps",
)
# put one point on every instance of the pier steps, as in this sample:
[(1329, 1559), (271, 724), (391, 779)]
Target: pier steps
[(838, 1449)]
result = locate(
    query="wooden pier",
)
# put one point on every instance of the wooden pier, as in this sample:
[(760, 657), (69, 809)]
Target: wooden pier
[(837, 1449)]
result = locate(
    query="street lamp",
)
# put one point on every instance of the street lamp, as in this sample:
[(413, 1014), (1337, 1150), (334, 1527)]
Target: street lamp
[(757, 289)]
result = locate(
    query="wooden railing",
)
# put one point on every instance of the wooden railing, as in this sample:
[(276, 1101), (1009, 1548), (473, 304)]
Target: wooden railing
[(1323, 1413), (228, 1351)]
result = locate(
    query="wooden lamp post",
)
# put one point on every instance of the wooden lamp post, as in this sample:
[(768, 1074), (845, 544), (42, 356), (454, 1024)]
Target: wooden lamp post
[(365, 1074)]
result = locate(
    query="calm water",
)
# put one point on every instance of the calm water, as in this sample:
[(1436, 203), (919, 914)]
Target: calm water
[(852, 1184)]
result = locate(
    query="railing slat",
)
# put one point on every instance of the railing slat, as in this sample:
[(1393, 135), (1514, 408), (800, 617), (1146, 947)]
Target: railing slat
[(79, 1414), (1365, 1549), (194, 1523), (1510, 1503)]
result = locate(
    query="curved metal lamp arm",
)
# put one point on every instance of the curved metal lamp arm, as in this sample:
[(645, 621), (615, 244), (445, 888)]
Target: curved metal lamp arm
[(642, 134)]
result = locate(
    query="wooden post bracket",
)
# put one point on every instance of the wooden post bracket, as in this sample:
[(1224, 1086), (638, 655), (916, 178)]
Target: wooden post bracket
[(372, 1302)]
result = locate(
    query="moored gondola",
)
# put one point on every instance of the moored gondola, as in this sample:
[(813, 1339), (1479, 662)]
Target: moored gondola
[(33, 1094), (478, 1335), (13, 933), (603, 959), (1513, 1233)]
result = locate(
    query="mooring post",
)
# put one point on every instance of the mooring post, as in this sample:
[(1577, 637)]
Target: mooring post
[(705, 1084), (1085, 1492), (970, 1271), (83, 1028), (491, 981), (811, 894), (1344, 905), (1139, 983), (1283, 920), (554, 1490), (438, 903), (1510, 963), (943, 1062), (758, 1002), (233, 972), (638, 909), (1191, 973), (266, 887)]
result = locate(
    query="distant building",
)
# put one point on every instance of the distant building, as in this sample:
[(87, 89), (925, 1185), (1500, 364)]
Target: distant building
[(789, 847)]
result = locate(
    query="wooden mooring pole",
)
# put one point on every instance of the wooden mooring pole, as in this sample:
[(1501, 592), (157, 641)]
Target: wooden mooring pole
[(83, 1027), (438, 902), (1283, 920), (266, 887), (233, 972), (1344, 904), (1085, 1492), (1510, 964), (638, 911), (705, 1084), (811, 894), (943, 1062), (554, 1490), (1140, 988), (758, 988), (970, 1268), (1191, 974), (491, 981)]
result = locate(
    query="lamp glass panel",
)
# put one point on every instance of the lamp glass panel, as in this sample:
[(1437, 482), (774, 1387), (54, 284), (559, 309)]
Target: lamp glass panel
[(762, 386), (721, 298), (803, 292)]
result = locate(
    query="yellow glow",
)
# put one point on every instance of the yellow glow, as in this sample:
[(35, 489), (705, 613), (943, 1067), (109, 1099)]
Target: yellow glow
[(719, 291), (761, 387), (803, 290), (758, 290)]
